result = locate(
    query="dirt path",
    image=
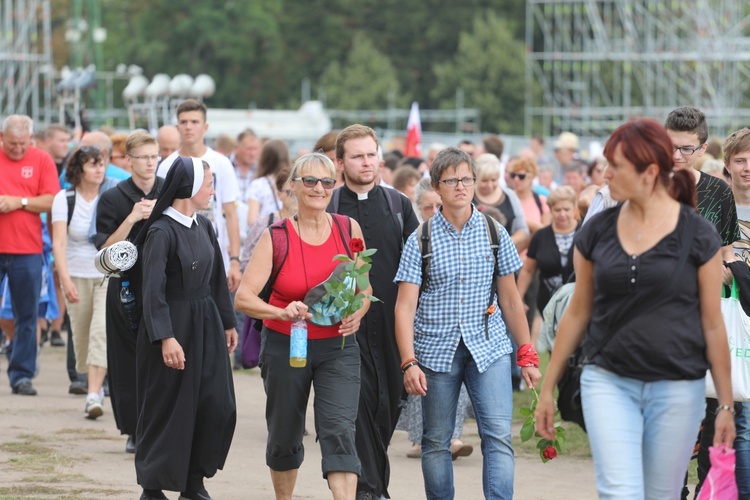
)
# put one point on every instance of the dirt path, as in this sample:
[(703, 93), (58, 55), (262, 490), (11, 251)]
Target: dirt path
[(49, 450)]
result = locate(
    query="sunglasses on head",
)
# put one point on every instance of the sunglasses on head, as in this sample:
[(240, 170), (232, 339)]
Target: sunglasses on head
[(310, 182), (521, 176)]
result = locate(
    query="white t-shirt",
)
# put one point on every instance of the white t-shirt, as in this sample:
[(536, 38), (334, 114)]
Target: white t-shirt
[(80, 251), (226, 187), (263, 191)]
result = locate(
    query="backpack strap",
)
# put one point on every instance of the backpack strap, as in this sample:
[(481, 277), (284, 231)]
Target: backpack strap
[(280, 243), (423, 239), (395, 206), (494, 238), (70, 195), (538, 201), (333, 205), (345, 230)]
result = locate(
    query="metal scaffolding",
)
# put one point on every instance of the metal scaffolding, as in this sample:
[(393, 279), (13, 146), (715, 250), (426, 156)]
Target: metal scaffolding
[(593, 64), (26, 71)]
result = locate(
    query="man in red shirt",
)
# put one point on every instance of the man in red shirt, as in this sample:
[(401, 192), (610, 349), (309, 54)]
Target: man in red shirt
[(28, 183)]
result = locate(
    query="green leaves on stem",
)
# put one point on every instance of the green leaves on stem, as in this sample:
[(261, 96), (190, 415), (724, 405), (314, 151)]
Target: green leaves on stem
[(548, 449)]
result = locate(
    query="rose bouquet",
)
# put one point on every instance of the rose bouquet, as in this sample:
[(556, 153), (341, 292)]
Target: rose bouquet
[(548, 449), (343, 291)]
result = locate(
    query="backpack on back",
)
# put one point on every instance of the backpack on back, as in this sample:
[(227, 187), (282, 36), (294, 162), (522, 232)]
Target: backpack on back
[(424, 232)]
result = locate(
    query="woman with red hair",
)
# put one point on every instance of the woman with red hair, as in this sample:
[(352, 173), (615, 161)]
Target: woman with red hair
[(648, 280)]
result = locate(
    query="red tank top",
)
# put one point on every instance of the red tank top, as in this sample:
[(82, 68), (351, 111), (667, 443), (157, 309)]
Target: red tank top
[(305, 267)]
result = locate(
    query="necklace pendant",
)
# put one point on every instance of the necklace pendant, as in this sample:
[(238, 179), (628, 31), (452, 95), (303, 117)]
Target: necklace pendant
[(195, 265)]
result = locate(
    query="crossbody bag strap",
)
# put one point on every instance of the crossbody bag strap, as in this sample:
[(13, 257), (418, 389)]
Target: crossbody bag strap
[(645, 304)]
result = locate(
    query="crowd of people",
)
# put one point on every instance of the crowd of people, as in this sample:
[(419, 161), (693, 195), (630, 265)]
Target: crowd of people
[(471, 244)]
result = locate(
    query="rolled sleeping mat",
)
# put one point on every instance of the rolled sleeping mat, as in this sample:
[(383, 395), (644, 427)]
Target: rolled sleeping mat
[(116, 258)]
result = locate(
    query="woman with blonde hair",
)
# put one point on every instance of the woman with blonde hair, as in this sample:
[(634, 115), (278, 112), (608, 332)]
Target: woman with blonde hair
[(489, 192), (551, 248), (522, 171), (313, 238)]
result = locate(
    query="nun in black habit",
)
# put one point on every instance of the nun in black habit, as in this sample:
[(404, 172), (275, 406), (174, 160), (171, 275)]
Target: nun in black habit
[(186, 405)]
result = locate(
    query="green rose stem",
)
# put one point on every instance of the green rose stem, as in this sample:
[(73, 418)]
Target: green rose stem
[(528, 430), (343, 294)]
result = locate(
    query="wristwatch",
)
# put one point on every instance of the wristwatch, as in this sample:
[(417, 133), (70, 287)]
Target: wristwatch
[(24, 203), (728, 408)]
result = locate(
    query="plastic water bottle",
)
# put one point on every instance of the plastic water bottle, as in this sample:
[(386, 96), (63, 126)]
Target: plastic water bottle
[(128, 304), (298, 344)]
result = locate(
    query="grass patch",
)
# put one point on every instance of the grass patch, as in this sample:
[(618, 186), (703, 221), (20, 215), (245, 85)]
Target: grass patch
[(576, 444), (33, 491), (69, 434), (59, 478), (32, 456)]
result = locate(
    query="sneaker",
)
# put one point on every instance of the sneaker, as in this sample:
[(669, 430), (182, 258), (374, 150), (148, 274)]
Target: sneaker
[(55, 340), (78, 387), (25, 389), (93, 408), (44, 337)]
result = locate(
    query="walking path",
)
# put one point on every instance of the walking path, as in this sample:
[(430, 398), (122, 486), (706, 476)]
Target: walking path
[(49, 450)]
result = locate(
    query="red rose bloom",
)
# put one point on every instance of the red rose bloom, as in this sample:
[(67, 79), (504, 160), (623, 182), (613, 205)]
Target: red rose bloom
[(356, 245), (549, 452)]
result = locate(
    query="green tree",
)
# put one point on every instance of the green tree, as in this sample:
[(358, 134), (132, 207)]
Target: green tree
[(363, 81), (235, 42), (489, 67)]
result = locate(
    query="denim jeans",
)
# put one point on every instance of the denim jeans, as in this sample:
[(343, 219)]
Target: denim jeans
[(642, 434), (492, 398), (24, 282)]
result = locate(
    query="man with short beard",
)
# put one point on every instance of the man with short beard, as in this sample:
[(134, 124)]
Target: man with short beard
[(381, 382)]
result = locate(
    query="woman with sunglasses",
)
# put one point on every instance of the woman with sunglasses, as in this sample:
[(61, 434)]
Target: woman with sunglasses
[(262, 198), (80, 281), (490, 193), (522, 172), (313, 239)]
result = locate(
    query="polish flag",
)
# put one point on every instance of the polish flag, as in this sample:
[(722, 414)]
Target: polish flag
[(413, 133)]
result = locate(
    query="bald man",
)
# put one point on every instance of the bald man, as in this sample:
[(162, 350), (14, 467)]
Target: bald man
[(168, 138)]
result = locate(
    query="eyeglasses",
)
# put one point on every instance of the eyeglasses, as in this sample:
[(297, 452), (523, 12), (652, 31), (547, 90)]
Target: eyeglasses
[(453, 181), (687, 150), (310, 182), (521, 177), (146, 157)]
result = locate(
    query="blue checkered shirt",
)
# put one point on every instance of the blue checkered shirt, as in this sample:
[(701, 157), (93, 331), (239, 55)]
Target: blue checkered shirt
[(453, 305)]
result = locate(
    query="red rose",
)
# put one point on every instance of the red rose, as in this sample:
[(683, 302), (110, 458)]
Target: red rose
[(356, 245), (549, 452)]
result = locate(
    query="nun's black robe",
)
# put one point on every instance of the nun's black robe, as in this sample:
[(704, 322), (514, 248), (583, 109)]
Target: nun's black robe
[(186, 418)]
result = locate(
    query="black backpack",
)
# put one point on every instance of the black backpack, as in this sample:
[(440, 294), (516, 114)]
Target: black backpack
[(392, 197)]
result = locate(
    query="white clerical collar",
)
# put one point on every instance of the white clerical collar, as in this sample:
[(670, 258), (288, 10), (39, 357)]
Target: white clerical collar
[(179, 217)]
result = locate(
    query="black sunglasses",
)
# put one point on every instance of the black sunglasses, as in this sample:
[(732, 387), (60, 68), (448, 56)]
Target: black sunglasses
[(521, 177), (310, 182)]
